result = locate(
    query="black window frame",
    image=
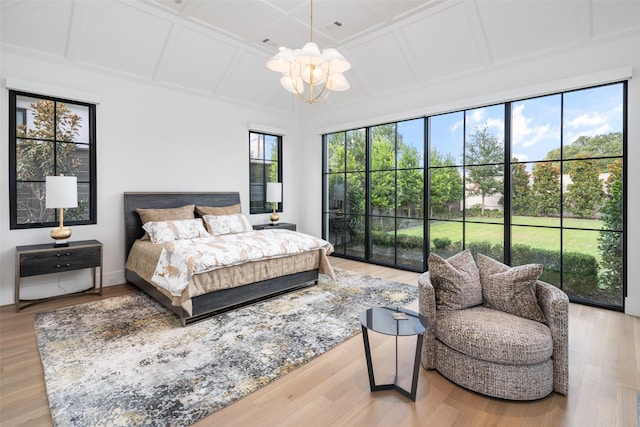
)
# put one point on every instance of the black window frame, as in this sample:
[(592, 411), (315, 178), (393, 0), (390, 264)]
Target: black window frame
[(13, 173), (258, 188)]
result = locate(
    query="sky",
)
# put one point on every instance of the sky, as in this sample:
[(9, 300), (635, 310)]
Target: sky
[(536, 122)]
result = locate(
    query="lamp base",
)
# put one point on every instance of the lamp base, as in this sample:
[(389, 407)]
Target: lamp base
[(274, 217), (60, 235)]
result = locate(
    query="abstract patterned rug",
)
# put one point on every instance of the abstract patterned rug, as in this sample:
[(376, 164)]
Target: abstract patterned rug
[(126, 361)]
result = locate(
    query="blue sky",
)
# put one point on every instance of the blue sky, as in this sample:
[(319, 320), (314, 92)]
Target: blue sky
[(536, 123)]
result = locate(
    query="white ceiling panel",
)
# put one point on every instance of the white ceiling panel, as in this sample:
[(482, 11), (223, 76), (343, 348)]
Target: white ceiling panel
[(254, 83), (196, 61), (123, 38), (380, 64), (523, 28), (613, 17), (438, 56), (215, 47), (38, 25)]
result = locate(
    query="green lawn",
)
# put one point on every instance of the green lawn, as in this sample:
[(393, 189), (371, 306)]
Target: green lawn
[(544, 238)]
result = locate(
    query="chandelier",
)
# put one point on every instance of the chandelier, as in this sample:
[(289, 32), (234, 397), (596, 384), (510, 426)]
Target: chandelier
[(307, 70)]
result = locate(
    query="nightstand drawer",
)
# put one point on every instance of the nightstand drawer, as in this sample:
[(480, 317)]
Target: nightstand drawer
[(66, 259)]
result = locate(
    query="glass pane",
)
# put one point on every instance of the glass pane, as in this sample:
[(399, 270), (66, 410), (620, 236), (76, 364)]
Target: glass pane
[(410, 151), (256, 146), (354, 236), (581, 269), (484, 143), (410, 193), (39, 117), (484, 198), (383, 193), (271, 148), (34, 160), (583, 188), (355, 193), (356, 150), (487, 239), (256, 172), (382, 239), (336, 226), (72, 122), (535, 129), (445, 237), (335, 152), (593, 122), (257, 198), (610, 246), (32, 204), (446, 192), (612, 209), (81, 213), (535, 245), (446, 138), (73, 160), (383, 147), (521, 192), (546, 192), (410, 242), (336, 190)]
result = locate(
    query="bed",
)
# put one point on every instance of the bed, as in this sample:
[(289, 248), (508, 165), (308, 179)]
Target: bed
[(223, 288)]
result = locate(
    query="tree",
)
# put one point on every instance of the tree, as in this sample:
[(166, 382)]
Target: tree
[(546, 189), (606, 145), (38, 147), (486, 151), (610, 239), (383, 164), (410, 178), (445, 183), (584, 195), (520, 190)]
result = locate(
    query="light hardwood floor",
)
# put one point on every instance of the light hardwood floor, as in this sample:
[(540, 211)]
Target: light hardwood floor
[(333, 389)]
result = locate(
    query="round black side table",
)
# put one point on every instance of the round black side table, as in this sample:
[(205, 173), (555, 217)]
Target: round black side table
[(397, 322)]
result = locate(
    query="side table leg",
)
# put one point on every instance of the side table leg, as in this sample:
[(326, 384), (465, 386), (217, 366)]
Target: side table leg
[(367, 353)]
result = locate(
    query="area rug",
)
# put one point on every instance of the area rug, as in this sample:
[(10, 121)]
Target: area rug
[(126, 361)]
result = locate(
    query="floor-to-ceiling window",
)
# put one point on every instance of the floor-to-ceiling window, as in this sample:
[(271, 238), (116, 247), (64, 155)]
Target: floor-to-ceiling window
[(534, 180)]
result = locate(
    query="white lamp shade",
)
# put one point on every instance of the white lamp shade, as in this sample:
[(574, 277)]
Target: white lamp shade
[(282, 61), (61, 192), (274, 192), (291, 84), (309, 54), (334, 61), (337, 82)]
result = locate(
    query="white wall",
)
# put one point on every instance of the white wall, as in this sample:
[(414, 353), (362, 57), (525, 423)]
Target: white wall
[(148, 139), (501, 83)]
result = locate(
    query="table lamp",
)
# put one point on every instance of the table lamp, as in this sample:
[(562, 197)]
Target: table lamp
[(274, 196), (61, 192)]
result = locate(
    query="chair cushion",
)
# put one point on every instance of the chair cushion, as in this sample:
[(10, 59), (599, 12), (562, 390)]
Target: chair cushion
[(510, 289), (492, 335), (456, 281)]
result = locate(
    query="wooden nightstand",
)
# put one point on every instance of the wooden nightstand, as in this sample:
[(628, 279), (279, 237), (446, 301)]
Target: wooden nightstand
[(34, 260), (285, 225)]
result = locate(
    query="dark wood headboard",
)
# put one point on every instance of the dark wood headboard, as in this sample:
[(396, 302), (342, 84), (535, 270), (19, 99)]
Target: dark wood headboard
[(160, 200)]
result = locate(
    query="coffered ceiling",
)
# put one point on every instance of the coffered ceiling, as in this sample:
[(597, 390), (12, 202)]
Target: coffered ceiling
[(218, 48)]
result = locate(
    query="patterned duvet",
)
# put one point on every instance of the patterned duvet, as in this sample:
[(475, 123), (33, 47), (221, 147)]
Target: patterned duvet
[(180, 260)]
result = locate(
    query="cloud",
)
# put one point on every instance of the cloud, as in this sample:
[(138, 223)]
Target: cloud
[(454, 127), (522, 131), (588, 124), (520, 157)]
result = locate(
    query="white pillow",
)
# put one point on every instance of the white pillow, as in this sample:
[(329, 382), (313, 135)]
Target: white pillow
[(227, 224), (177, 229)]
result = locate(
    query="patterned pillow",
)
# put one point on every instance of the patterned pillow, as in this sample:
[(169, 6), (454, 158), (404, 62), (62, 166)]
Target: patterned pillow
[(168, 231), (149, 215), (227, 224), (510, 289), (456, 281), (219, 210)]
